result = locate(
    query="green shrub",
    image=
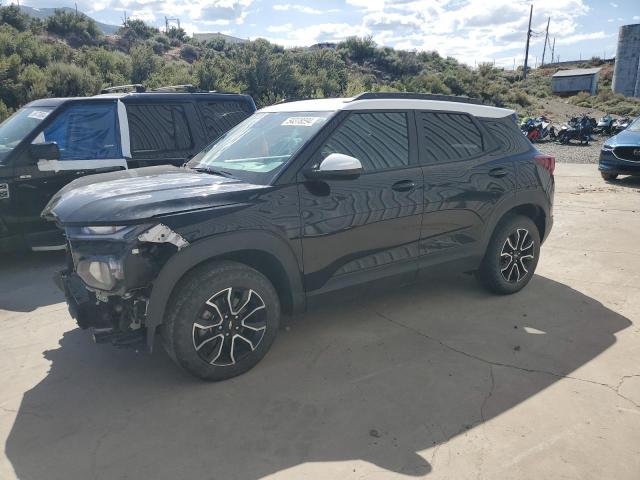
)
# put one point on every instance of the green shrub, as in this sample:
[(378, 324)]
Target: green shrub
[(143, 63), (34, 83), (68, 80), (5, 112), (11, 15), (76, 28), (189, 53)]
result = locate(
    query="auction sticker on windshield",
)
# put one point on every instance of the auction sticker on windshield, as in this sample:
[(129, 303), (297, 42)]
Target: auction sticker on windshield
[(38, 114), (301, 121)]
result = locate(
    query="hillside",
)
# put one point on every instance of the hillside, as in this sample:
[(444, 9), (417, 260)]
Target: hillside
[(44, 13), (66, 54)]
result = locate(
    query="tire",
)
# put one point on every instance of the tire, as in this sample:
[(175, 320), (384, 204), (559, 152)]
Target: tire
[(222, 319), (511, 257), (609, 177)]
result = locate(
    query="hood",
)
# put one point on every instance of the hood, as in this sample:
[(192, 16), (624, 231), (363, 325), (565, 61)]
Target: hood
[(626, 137), (132, 196)]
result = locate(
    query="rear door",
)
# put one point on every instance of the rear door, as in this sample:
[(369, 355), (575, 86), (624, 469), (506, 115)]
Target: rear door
[(160, 133), (466, 177), (359, 229)]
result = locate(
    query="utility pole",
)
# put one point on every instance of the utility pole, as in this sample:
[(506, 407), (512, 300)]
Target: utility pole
[(526, 52), (546, 39), (553, 49)]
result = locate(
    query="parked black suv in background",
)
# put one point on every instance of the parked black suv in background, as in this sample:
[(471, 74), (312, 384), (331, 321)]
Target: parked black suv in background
[(52, 141), (301, 199)]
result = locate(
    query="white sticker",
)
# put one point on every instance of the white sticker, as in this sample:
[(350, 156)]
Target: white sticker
[(301, 121), (39, 114), (4, 190)]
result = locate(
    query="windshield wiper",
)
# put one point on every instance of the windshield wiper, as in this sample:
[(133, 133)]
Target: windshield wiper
[(212, 171)]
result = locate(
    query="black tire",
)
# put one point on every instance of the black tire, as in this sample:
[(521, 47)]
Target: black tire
[(229, 345), (520, 267), (609, 177)]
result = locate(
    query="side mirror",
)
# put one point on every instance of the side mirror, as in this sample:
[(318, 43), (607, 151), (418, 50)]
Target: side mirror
[(45, 151), (336, 166)]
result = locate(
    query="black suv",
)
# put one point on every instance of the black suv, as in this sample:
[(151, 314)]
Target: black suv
[(300, 199), (50, 142)]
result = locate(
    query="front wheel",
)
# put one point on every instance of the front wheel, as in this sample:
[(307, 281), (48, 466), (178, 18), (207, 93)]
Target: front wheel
[(608, 177), (223, 318), (511, 257)]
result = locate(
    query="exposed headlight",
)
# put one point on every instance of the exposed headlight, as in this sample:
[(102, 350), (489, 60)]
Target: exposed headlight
[(607, 148), (109, 230), (101, 274)]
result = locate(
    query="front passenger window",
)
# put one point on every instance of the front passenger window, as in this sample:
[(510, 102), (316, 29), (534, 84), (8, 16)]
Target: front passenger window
[(85, 132), (379, 140)]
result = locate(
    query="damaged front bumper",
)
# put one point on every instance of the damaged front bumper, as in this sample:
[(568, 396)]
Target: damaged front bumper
[(109, 278)]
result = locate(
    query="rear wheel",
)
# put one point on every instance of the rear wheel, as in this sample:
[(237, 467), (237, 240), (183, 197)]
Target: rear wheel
[(609, 177), (511, 257), (223, 319)]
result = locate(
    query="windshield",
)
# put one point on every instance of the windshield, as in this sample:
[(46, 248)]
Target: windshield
[(635, 125), (256, 149), (18, 125)]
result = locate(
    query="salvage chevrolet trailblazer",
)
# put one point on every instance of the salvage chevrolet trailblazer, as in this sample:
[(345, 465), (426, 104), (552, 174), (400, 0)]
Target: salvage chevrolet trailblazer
[(300, 199)]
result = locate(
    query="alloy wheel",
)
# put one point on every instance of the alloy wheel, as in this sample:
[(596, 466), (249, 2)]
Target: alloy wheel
[(517, 255), (229, 326)]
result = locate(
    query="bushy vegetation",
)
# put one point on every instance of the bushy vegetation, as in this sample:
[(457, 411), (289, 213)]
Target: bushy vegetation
[(67, 55)]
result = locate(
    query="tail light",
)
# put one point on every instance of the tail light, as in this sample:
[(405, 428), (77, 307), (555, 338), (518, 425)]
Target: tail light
[(546, 161)]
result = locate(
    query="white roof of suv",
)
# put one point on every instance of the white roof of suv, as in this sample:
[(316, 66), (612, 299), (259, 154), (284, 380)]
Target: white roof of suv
[(354, 103)]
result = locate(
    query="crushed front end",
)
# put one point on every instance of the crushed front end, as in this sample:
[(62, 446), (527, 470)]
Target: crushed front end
[(109, 274)]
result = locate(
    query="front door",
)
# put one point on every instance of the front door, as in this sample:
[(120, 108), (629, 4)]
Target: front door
[(466, 177), (88, 138), (358, 229)]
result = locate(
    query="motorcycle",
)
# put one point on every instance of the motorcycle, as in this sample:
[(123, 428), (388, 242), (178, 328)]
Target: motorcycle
[(577, 128), (537, 129), (604, 125), (620, 124)]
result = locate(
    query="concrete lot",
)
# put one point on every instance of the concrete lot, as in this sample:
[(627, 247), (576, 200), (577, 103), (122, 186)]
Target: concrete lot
[(439, 379)]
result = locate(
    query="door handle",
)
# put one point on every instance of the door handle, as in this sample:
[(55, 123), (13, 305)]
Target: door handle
[(404, 186), (498, 172)]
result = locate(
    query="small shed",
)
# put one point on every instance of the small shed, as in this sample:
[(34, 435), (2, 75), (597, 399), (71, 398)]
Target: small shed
[(570, 82)]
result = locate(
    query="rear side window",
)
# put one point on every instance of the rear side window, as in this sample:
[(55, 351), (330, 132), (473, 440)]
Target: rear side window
[(507, 135), (85, 132), (379, 140), (449, 137), (220, 117), (157, 128)]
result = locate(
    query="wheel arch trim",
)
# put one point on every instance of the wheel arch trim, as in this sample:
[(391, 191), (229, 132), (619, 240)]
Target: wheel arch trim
[(220, 246)]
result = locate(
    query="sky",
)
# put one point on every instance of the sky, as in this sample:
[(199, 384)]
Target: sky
[(472, 31)]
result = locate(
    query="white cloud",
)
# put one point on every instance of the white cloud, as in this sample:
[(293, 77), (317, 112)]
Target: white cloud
[(636, 17), (614, 5), (280, 28), (472, 31), (283, 7), (582, 37)]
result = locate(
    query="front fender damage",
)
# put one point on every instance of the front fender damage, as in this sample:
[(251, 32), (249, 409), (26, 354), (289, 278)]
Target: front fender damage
[(163, 234), (117, 315)]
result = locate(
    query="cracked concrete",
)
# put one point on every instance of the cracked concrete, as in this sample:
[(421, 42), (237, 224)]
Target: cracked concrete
[(456, 383)]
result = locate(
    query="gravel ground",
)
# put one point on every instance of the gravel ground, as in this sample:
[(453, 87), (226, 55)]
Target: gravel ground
[(574, 152)]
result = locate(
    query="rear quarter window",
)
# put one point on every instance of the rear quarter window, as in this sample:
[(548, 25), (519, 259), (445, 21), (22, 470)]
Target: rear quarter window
[(221, 116), (507, 135), (157, 128), (449, 137)]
